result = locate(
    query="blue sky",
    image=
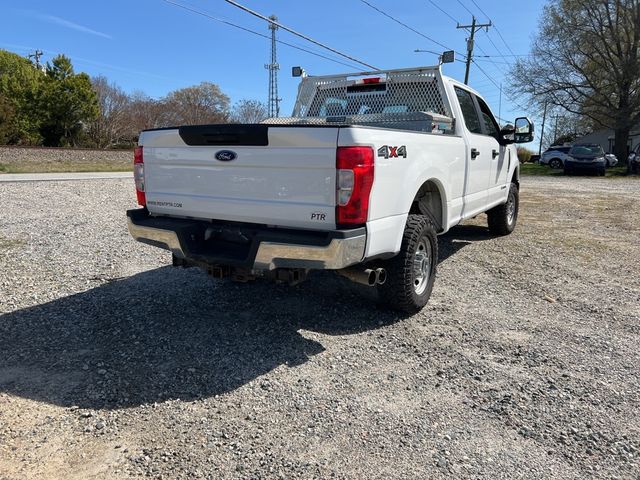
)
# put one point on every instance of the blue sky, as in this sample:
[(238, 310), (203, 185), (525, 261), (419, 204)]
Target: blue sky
[(156, 47)]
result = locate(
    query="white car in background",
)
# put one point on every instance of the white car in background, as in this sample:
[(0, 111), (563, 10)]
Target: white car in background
[(555, 156), (610, 160)]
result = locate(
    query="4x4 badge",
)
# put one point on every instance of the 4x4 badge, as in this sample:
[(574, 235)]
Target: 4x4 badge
[(388, 151)]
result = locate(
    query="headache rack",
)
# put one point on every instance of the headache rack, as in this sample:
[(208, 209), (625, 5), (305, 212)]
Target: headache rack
[(407, 99)]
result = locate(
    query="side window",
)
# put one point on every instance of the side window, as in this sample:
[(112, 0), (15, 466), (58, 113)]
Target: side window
[(469, 111), (490, 125)]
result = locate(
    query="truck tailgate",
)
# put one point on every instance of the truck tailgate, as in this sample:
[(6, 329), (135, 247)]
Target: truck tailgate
[(282, 176)]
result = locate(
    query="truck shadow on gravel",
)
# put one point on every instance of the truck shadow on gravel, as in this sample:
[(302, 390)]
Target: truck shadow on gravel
[(177, 334), (170, 333), (459, 237)]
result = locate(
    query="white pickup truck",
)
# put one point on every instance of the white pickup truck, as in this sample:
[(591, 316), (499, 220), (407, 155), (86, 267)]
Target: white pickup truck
[(361, 178)]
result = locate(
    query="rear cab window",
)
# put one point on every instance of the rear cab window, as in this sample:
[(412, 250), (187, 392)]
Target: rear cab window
[(491, 127), (469, 112)]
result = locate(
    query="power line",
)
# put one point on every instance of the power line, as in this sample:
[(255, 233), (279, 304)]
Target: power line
[(492, 42), (491, 61), (442, 10), (507, 56), (290, 30), (482, 58), (504, 41), (496, 27), (481, 11), (401, 23), (497, 86), (248, 30), (465, 7)]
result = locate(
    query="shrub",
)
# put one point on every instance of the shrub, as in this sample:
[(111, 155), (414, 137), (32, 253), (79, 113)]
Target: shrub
[(524, 155)]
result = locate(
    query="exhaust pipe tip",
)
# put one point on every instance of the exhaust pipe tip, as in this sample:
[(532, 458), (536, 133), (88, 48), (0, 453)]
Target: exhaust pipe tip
[(372, 278), (381, 276), (367, 276)]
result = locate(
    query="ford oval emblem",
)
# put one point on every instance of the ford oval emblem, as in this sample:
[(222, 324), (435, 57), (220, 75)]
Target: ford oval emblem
[(226, 155)]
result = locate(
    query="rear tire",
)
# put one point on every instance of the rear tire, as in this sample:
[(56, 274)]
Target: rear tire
[(555, 163), (503, 218), (411, 273)]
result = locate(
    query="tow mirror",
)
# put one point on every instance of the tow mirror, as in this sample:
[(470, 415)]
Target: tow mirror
[(523, 130)]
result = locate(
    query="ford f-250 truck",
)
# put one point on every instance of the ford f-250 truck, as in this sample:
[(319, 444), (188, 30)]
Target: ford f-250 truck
[(361, 178)]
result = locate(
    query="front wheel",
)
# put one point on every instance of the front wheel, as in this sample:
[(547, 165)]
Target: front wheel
[(502, 219), (411, 273)]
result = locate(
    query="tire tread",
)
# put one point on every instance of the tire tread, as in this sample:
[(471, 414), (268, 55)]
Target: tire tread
[(398, 291), (497, 216)]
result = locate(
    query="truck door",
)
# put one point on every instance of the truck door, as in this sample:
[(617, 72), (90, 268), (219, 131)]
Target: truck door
[(500, 156), (479, 154)]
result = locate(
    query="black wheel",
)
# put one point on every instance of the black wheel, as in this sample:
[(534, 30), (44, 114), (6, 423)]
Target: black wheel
[(411, 273), (503, 218), (555, 163)]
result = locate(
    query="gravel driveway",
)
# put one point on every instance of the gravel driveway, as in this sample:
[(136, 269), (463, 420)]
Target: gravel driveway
[(524, 364)]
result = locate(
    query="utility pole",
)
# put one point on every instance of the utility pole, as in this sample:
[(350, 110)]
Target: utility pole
[(273, 67), (472, 29), (544, 119), (37, 54), (555, 129), (500, 104)]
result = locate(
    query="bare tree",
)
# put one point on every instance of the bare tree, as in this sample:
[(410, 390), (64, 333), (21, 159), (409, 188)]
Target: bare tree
[(585, 61), (200, 104), (111, 126), (249, 111), (144, 112)]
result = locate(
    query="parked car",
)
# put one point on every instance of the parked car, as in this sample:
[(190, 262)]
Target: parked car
[(333, 187), (633, 161), (585, 158), (610, 160), (554, 156)]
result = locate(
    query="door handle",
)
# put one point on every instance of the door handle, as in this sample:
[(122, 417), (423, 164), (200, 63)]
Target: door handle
[(474, 153), (495, 153)]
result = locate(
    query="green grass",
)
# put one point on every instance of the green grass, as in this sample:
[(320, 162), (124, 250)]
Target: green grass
[(545, 170), (65, 167), (537, 169)]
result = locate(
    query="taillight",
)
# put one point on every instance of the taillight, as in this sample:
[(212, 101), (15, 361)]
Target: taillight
[(138, 175), (354, 179)]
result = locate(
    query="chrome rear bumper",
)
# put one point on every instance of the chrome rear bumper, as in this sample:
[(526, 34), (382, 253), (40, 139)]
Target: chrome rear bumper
[(340, 253), (167, 239), (266, 248)]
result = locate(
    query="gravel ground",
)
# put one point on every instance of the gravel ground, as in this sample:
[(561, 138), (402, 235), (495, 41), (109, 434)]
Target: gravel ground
[(524, 364)]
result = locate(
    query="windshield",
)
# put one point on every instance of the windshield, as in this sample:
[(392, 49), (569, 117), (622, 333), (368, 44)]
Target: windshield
[(587, 150)]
